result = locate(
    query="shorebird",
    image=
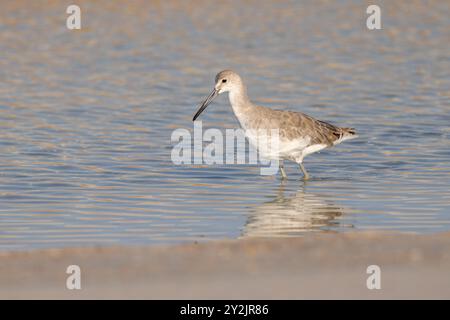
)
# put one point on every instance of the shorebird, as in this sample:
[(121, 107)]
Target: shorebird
[(299, 134)]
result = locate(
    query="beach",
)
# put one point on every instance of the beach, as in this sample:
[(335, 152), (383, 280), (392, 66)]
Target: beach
[(326, 266)]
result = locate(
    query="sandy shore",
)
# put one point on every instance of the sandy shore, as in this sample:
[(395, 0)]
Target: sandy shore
[(316, 266)]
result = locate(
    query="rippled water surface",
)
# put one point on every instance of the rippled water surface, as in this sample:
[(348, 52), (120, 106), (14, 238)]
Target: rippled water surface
[(86, 119)]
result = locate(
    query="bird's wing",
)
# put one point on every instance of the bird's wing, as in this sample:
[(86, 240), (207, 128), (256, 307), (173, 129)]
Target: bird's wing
[(299, 125)]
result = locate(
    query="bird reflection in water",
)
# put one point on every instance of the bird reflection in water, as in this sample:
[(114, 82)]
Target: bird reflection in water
[(292, 215)]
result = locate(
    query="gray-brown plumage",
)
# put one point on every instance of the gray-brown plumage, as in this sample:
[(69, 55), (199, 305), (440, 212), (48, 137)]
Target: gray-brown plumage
[(296, 124), (299, 134)]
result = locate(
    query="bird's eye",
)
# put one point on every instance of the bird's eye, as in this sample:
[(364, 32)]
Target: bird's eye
[(224, 80)]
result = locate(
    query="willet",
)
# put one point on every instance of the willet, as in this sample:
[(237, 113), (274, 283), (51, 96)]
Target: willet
[(299, 134)]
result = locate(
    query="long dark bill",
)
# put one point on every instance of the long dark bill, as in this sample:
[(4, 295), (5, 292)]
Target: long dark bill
[(205, 103)]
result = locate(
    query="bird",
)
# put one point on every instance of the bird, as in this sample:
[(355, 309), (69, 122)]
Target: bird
[(299, 134)]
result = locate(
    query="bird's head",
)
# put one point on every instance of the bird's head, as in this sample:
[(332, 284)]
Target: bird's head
[(225, 81)]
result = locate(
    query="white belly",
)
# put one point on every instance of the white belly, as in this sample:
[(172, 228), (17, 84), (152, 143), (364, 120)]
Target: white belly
[(274, 148)]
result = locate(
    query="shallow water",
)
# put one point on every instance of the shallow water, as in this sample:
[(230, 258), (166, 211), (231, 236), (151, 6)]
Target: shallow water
[(86, 119)]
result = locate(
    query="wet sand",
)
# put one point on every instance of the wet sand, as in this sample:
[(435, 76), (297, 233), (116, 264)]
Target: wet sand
[(316, 266)]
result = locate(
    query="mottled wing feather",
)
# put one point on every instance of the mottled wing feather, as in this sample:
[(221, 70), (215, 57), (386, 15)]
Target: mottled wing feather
[(297, 125)]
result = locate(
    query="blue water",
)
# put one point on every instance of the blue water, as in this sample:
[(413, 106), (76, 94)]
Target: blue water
[(86, 119)]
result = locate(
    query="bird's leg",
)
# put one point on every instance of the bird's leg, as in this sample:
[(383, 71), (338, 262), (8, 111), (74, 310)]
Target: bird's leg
[(305, 174), (283, 173)]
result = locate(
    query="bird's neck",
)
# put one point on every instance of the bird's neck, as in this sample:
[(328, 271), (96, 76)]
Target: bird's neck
[(240, 103)]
